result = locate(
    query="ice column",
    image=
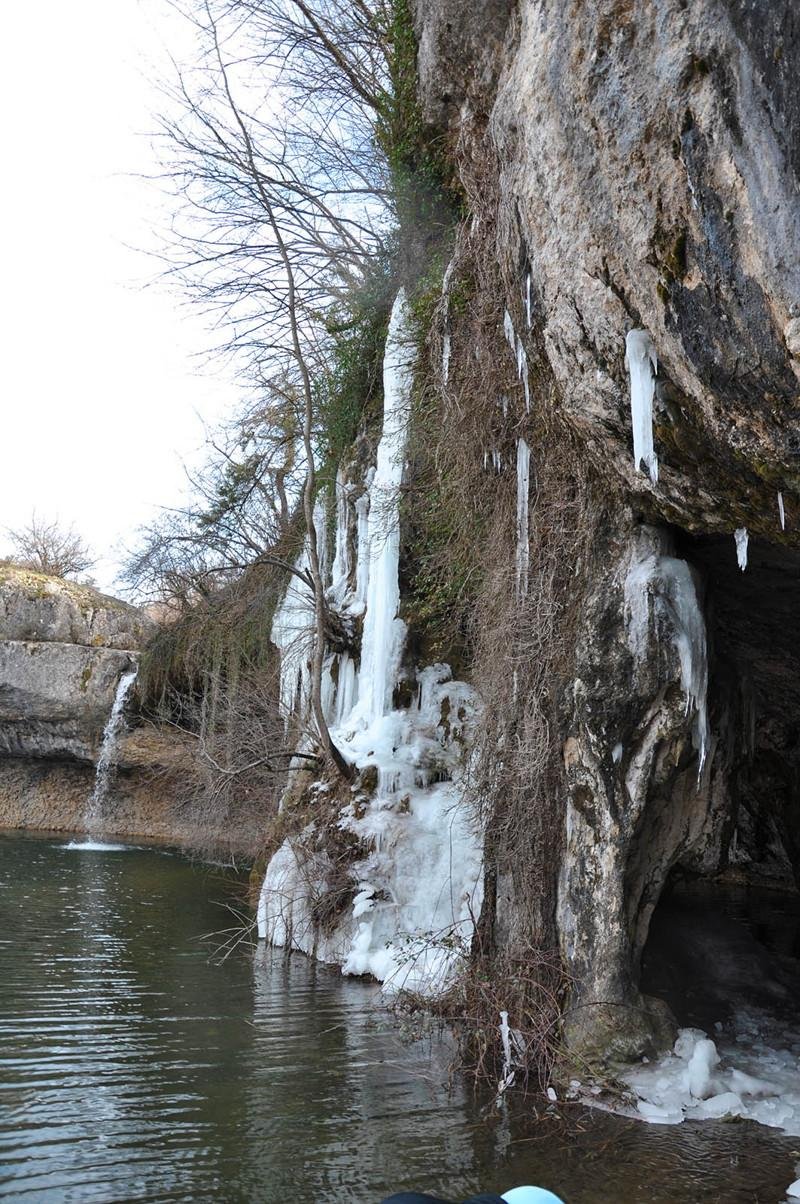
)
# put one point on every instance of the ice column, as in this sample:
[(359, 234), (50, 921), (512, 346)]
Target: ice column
[(642, 364), (384, 632)]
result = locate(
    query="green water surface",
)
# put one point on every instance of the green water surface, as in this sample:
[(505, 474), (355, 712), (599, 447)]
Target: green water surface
[(135, 1064)]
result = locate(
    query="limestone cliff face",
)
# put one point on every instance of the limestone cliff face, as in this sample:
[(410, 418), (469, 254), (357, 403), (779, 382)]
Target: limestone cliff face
[(63, 648), (643, 162)]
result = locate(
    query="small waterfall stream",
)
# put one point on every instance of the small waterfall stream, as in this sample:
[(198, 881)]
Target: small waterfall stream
[(106, 762)]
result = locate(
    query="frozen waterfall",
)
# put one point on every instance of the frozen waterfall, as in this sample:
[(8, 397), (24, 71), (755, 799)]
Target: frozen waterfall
[(384, 631), (420, 884), (293, 627)]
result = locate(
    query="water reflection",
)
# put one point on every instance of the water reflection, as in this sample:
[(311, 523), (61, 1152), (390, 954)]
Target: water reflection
[(133, 1066)]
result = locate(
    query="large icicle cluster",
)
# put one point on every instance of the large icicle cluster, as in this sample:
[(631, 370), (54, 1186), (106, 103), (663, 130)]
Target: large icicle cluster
[(418, 887), (666, 584), (642, 365)]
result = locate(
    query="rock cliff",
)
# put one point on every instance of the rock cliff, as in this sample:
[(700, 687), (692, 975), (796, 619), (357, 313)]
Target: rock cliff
[(636, 167), (63, 648), (627, 168)]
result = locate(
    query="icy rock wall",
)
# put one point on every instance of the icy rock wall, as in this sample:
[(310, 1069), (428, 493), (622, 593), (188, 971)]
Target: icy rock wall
[(638, 793), (417, 889)]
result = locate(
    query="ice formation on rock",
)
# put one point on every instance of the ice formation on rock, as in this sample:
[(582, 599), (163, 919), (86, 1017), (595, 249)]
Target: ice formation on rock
[(642, 365), (781, 512), (509, 332), (752, 1073), (741, 537), (667, 584), (419, 885), (384, 632)]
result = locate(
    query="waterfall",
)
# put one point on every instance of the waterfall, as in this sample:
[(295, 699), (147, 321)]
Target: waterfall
[(106, 762)]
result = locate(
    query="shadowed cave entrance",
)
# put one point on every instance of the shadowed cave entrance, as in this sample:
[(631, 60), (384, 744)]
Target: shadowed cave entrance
[(724, 939)]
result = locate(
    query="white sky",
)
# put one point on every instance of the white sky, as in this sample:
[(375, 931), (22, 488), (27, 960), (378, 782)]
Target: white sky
[(99, 387)]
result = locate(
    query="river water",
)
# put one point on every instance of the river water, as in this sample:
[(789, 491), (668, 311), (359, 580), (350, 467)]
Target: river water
[(136, 1063)]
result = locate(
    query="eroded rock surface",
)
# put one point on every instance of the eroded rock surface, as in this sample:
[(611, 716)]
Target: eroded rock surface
[(648, 178)]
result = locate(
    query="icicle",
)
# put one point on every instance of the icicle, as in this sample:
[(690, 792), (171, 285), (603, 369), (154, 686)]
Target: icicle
[(508, 331), (523, 487), (446, 357), (642, 364), (507, 1075), (526, 386), (781, 512), (741, 537), (522, 373), (528, 299), (347, 688)]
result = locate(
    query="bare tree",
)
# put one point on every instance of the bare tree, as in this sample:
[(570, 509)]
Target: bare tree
[(49, 547), (283, 209)]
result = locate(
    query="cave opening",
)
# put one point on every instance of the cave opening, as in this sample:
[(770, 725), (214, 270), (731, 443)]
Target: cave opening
[(724, 938), (722, 946)]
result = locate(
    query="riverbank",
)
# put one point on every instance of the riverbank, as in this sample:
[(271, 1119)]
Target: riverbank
[(38, 795)]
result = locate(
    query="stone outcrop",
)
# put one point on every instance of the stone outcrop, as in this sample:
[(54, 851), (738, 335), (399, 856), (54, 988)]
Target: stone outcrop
[(642, 161), (63, 648)]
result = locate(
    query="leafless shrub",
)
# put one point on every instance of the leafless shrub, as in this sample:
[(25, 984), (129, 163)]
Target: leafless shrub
[(515, 640), (49, 547)]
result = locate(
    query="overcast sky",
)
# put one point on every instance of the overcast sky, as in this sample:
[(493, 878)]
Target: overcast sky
[(100, 387)]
